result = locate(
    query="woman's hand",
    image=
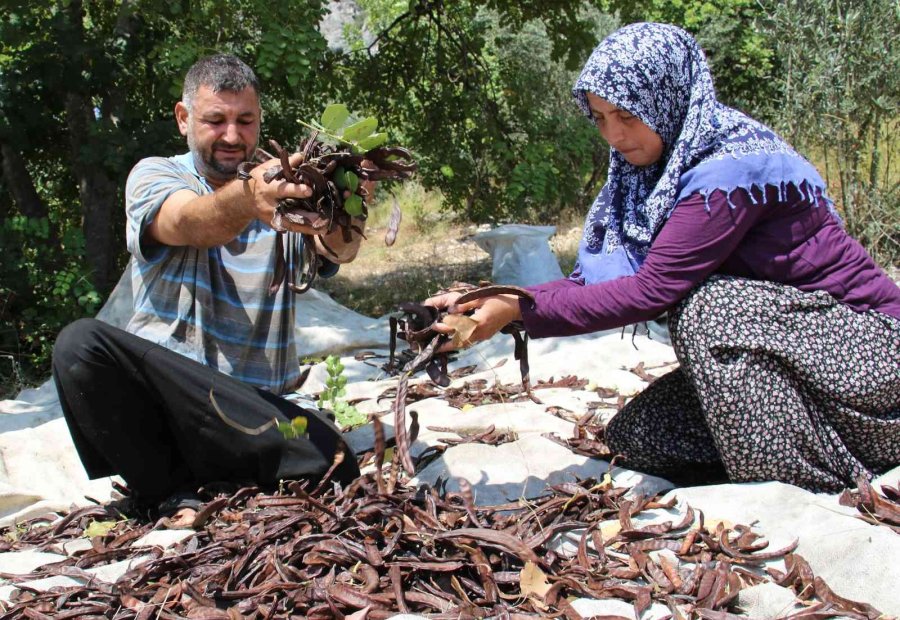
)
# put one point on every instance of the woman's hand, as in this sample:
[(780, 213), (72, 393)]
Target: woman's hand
[(491, 315)]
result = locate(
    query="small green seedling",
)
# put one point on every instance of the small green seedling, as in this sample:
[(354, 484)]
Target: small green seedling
[(335, 389), (294, 429)]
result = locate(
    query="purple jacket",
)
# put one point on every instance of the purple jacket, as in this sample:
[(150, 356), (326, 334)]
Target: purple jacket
[(790, 241)]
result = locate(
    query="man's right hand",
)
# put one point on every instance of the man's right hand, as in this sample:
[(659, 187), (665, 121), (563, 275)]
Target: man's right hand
[(189, 219), (265, 196)]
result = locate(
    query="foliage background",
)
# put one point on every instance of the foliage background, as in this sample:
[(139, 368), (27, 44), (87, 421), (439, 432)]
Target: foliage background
[(480, 89)]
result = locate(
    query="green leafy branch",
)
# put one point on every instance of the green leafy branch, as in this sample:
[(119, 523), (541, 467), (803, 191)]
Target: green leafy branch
[(359, 135), (335, 389)]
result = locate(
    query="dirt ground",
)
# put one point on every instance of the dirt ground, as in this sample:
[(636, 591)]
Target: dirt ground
[(421, 263)]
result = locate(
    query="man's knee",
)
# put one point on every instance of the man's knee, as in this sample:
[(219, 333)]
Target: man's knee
[(76, 340)]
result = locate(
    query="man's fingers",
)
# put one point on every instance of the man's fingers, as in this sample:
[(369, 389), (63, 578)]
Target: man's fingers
[(294, 190), (295, 159), (441, 301)]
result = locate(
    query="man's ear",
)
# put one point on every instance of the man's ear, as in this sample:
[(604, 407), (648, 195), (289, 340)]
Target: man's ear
[(181, 117)]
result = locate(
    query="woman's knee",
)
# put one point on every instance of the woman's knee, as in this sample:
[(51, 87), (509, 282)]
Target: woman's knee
[(704, 310)]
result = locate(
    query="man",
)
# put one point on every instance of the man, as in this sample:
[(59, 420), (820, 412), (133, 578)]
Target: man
[(178, 401)]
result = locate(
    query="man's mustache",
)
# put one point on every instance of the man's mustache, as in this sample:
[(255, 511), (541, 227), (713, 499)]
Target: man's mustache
[(219, 146)]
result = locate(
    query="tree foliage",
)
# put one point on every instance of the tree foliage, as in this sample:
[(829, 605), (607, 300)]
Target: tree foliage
[(479, 89), (733, 34), (840, 98)]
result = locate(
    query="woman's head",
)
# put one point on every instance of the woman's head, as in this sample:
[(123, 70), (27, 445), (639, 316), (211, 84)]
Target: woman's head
[(625, 132), (653, 72)]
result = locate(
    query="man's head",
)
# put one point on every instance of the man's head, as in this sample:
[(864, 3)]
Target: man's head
[(219, 114)]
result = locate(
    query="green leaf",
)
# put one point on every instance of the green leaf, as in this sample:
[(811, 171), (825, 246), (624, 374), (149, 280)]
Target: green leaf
[(339, 178), (353, 205), (334, 116), (360, 129), (351, 181), (99, 528), (299, 425), (286, 429), (447, 171), (369, 143)]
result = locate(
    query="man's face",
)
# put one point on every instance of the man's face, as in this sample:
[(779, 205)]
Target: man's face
[(222, 130)]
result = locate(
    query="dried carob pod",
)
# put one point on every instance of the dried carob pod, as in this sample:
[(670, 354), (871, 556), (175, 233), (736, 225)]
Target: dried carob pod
[(330, 172), (416, 327)]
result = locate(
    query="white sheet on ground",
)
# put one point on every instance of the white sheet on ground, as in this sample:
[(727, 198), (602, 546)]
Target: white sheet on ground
[(40, 471)]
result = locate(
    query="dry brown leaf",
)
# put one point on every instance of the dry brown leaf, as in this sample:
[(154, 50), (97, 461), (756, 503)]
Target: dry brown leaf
[(533, 580), (464, 327)]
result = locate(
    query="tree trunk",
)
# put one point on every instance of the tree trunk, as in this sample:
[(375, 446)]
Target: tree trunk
[(96, 190), (17, 178), (97, 193)]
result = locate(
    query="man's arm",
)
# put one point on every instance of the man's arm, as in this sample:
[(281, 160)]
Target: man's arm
[(188, 219)]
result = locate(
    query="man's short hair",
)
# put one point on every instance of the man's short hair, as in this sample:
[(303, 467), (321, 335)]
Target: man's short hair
[(218, 72)]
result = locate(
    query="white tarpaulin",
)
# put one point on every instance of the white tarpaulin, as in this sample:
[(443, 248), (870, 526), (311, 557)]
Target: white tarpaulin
[(39, 469)]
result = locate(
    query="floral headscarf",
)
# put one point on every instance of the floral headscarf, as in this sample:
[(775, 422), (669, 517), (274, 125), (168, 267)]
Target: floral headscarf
[(658, 73)]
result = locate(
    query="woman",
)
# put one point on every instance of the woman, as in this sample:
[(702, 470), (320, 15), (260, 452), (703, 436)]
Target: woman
[(787, 332)]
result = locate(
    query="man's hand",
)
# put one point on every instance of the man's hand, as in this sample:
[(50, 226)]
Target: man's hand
[(265, 196), (491, 313), (330, 245), (188, 219)]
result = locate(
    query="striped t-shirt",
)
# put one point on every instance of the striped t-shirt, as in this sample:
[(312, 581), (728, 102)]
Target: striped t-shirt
[(212, 305)]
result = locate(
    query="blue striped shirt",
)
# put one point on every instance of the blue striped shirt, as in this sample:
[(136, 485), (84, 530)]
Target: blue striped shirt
[(212, 305)]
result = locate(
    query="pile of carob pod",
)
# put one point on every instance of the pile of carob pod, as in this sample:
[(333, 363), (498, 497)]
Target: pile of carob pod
[(379, 547), (323, 168)]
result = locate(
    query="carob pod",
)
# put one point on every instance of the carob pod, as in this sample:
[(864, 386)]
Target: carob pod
[(325, 169), (416, 327)]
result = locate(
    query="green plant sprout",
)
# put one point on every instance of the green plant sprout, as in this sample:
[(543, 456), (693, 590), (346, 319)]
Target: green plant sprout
[(360, 135), (294, 429), (332, 396)]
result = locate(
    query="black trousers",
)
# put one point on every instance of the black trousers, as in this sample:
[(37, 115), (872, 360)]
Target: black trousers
[(143, 412)]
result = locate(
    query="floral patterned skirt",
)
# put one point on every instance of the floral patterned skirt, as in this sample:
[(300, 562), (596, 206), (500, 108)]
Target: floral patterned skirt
[(773, 384)]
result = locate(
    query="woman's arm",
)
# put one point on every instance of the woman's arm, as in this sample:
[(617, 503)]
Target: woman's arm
[(690, 246)]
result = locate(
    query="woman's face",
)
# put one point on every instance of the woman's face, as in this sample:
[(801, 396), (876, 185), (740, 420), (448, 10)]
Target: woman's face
[(626, 133)]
